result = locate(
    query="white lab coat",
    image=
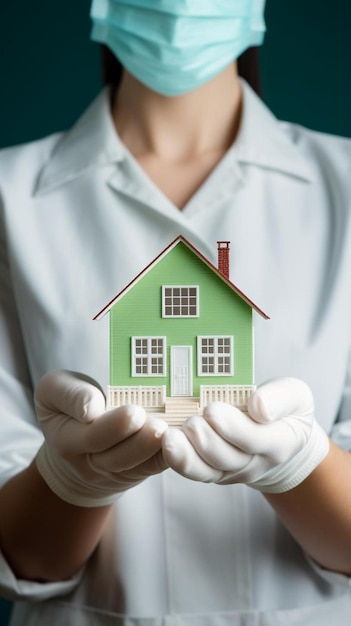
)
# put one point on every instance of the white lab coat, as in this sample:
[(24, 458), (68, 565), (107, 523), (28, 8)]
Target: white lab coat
[(80, 220)]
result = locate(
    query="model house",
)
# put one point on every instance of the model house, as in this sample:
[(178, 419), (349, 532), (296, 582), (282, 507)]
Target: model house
[(181, 336)]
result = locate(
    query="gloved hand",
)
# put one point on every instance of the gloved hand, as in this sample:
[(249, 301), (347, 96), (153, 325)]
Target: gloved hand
[(272, 449), (91, 455)]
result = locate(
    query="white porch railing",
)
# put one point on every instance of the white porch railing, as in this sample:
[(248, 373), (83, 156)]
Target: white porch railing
[(238, 395), (148, 397)]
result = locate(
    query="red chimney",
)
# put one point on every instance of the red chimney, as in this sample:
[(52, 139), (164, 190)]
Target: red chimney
[(223, 257)]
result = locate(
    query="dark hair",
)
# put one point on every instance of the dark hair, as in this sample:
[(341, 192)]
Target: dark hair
[(248, 67)]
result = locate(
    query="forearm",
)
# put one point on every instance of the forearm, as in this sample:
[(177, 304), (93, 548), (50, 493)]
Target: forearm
[(318, 512), (42, 537)]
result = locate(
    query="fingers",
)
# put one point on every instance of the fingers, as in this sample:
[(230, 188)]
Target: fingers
[(223, 443), (181, 456), (155, 465), (69, 436), (277, 439), (281, 398), (212, 447), (134, 451), (198, 452), (129, 478), (68, 393), (238, 429), (112, 428)]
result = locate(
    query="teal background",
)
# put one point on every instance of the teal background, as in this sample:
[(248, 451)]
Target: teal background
[(50, 71), (306, 63)]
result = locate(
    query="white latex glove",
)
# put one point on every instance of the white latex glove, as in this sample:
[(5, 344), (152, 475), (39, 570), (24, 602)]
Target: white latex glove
[(91, 455), (272, 449)]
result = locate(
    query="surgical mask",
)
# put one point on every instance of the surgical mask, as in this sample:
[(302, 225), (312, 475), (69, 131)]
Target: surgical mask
[(174, 46)]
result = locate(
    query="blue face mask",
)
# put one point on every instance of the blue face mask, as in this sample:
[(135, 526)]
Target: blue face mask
[(174, 46)]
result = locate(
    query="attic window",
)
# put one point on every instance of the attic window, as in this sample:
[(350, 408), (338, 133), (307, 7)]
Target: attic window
[(180, 301), (148, 356), (215, 356)]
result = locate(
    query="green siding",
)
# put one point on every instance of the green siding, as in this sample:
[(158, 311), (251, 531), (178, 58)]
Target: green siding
[(139, 313)]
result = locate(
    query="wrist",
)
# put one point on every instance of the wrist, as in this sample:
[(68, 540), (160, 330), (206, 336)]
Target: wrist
[(65, 484), (290, 474)]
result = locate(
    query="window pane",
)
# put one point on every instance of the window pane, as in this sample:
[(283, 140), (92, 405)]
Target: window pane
[(179, 298), (149, 357), (215, 356)]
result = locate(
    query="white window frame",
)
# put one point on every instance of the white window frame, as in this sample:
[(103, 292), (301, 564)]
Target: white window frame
[(216, 355), (149, 356), (164, 314)]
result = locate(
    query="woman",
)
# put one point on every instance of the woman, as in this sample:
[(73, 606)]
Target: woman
[(109, 517)]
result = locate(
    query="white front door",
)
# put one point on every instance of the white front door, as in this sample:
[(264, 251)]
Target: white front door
[(181, 371)]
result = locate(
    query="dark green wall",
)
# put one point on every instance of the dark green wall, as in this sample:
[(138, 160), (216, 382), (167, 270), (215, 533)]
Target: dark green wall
[(50, 70)]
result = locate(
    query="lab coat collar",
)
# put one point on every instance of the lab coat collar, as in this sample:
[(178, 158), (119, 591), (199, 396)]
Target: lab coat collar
[(261, 140), (93, 142)]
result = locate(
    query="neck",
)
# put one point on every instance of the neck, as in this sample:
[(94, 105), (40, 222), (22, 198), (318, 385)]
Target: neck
[(178, 128)]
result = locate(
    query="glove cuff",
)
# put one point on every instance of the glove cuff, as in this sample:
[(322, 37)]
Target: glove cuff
[(65, 485), (290, 474)]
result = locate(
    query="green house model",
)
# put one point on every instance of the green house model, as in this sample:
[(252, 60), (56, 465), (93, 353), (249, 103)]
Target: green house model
[(181, 336)]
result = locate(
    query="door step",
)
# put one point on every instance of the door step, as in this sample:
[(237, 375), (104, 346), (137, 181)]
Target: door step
[(177, 410)]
